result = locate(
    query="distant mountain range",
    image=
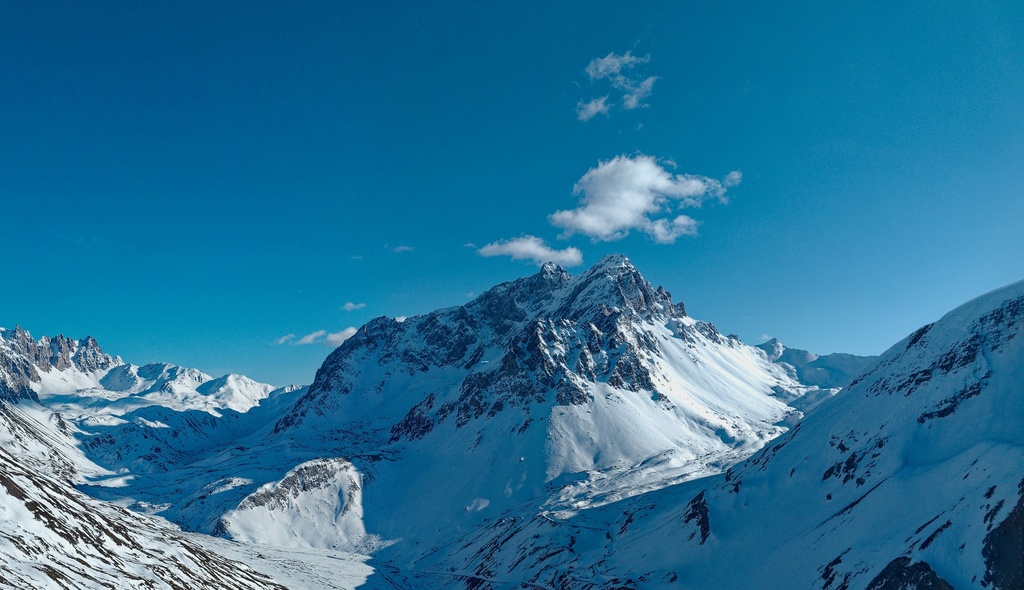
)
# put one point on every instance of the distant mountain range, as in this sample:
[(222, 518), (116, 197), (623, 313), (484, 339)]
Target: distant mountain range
[(556, 431)]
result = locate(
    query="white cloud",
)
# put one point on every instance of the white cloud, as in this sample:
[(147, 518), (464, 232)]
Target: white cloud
[(400, 249), (337, 338), (732, 179), (311, 337), (400, 318), (665, 231), (284, 339), (586, 111), (532, 248), (637, 93), (611, 65), (349, 306), (320, 337), (636, 192), (616, 69)]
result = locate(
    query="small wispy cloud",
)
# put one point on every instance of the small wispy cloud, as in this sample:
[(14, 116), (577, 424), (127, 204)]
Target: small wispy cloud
[(400, 318), (319, 337), (617, 70), (400, 249), (349, 306), (534, 249), (635, 94), (311, 338), (612, 66), (586, 111), (637, 193)]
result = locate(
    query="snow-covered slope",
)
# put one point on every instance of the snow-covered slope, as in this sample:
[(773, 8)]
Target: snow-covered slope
[(76, 378), (146, 426), (324, 496), (911, 478), (52, 536)]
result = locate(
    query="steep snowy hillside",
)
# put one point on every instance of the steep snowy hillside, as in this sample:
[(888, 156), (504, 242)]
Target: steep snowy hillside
[(911, 478), (55, 537), (570, 392)]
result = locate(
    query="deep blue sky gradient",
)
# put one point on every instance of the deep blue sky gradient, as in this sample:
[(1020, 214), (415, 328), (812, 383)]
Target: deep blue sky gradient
[(190, 181)]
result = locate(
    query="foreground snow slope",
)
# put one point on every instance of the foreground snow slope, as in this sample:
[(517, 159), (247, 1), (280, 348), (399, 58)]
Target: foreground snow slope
[(53, 536), (911, 478)]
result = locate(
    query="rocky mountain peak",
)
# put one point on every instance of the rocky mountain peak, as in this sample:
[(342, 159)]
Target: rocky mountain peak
[(22, 359), (614, 284)]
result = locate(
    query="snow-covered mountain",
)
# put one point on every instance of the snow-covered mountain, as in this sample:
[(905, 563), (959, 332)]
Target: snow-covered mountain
[(911, 478), (53, 364), (565, 391), (550, 390), (829, 370), (77, 376)]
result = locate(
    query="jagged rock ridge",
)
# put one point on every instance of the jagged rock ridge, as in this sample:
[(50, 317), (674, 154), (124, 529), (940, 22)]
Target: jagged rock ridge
[(22, 359)]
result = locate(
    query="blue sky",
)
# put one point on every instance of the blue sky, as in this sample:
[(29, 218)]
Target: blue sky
[(191, 183)]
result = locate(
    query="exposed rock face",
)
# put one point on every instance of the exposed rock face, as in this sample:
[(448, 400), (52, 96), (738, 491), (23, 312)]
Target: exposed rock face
[(901, 574), (1004, 549)]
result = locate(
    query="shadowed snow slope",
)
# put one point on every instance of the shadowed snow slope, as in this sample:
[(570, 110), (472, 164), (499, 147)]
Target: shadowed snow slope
[(911, 478)]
